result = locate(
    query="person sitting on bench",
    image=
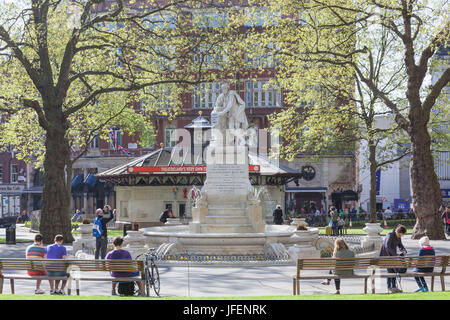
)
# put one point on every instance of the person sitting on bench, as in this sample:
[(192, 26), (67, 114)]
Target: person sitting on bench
[(120, 254)]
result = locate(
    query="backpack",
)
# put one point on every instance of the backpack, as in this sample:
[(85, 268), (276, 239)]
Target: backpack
[(126, 288), (97, 229)]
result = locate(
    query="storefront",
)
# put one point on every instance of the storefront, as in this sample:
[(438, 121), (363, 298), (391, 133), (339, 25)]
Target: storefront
[(308, 199), (10, 197)]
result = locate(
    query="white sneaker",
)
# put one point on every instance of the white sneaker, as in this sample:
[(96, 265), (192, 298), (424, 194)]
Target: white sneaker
[(39, 291), (61, 292)]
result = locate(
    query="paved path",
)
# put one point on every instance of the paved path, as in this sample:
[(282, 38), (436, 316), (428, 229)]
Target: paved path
[(188, 280)]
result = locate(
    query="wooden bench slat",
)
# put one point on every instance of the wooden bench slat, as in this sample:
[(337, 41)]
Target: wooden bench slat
[(336, 264), (71, 266)]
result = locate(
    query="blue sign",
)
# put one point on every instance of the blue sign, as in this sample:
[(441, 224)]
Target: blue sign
[(378, 173), (445, 193), (401, 203)]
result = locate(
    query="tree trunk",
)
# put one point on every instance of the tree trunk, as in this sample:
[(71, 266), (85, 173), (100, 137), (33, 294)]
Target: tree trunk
[(55, 217), (373, 181), (425, 185)]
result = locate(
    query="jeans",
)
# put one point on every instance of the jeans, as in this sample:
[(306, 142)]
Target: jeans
[(391, 282), (337, 282), (100, 247), (421, 282)]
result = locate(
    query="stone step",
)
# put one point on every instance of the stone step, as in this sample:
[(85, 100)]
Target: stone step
[(221, 219), (226, 205), (226, 228), (227, 211)]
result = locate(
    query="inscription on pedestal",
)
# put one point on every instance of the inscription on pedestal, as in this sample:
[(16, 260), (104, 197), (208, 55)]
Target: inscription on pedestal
[(227, 179)]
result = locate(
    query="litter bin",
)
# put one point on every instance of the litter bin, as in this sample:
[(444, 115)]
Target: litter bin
[(10, 235), (126, 228), (328, 231)]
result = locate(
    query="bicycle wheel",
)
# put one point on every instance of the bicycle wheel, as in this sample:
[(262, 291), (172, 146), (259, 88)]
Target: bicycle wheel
[(147, 282), (155, 278)]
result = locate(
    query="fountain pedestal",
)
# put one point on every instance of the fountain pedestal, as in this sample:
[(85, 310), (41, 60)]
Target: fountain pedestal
[(303, 247), (86, 241), (227, 205)]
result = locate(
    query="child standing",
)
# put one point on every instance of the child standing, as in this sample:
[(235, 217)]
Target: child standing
[(425, 250)]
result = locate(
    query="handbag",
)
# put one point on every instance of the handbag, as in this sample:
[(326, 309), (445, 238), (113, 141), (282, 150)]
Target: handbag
[(448, 221), (400, 270)]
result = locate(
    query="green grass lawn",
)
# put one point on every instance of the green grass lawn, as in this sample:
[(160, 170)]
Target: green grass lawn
[(111, 233), (360, 231), (398, 296)]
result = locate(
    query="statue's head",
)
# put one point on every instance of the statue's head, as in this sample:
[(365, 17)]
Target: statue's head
[(225, 87)]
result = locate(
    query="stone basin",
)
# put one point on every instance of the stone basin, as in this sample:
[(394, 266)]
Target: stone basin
[(222, 243)]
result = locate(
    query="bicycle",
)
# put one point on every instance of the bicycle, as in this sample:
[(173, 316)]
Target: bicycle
[(151, 273)]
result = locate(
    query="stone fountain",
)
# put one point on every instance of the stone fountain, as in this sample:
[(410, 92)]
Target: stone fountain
[(227, 215)]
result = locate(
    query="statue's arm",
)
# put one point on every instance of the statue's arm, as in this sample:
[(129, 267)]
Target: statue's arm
[(238, 98), (219, 102)]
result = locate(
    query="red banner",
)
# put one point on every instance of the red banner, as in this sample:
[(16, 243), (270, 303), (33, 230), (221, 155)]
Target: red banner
[(178, 169)]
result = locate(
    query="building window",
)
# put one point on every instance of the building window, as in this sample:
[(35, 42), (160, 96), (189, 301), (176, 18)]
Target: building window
[(170, 137), (209, 58), (115, 139), (210, 19), (257, 17), (94, 143), (163, 57), (205, 95), (161, 20), (1, 173), (14, 173), (158, 97), (261, 57), (258, 94)]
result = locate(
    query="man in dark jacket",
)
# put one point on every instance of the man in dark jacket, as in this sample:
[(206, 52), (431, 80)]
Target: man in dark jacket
[(278, 215), (446, 216), (101, 243), (389, 248)]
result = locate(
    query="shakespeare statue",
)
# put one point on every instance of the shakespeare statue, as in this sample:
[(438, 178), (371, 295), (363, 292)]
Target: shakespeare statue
[(229, 113)]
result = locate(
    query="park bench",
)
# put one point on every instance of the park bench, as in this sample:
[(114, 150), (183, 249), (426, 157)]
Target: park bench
[(77, 270), (327, 264), (366, 268), (412, 262)]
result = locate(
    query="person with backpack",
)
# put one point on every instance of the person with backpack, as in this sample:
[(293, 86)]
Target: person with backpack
[(125, 288), (389, 248), (100, 232)]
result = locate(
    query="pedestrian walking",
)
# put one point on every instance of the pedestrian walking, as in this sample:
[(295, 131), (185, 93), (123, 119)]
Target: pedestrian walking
[(425, 250), (57, 251), (278, 215), (392, 241), (341, 251), (76, 216)]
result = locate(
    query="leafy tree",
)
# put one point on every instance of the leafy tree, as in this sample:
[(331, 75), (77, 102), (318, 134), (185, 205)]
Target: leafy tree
[(71, 69), (333, 41)]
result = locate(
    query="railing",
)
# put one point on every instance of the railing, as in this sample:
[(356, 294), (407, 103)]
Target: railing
[(223, 259), (358, 250)]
